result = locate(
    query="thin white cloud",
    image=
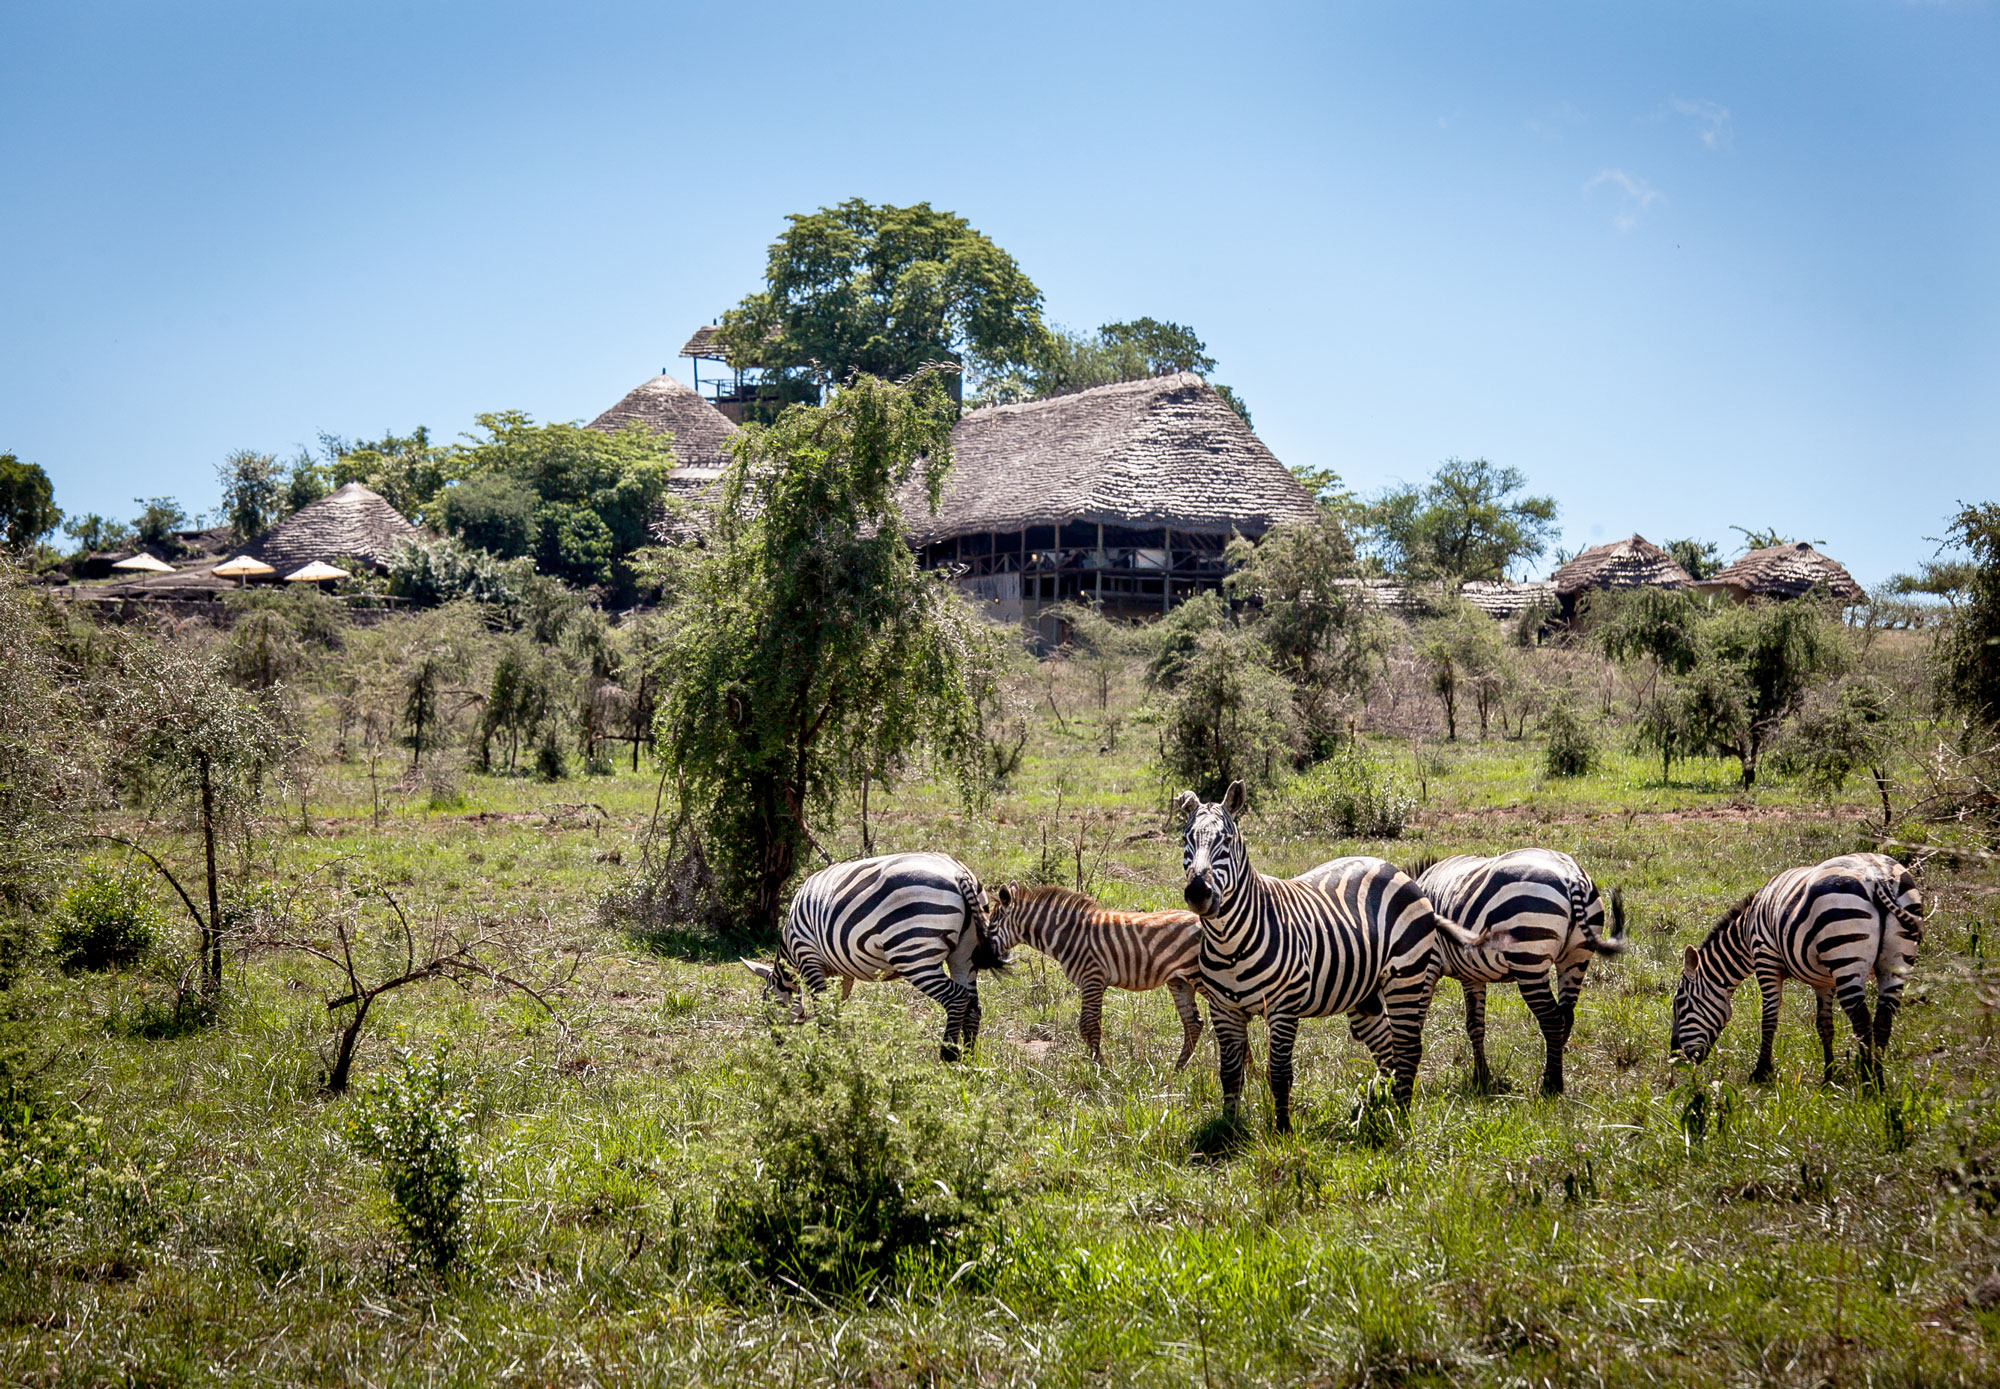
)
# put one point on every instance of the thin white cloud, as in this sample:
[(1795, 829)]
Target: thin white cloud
[(1713, 118), (1635, 196)]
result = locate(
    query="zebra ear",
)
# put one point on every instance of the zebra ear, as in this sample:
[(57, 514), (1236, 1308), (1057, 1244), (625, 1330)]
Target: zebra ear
[(1006, 897), (1234, 799), (1185, 803), (760, 969), (1688, 958)]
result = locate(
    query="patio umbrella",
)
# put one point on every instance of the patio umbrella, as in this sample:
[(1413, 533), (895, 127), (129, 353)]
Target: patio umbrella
[(317, 572), (144, 563), (242, 567)]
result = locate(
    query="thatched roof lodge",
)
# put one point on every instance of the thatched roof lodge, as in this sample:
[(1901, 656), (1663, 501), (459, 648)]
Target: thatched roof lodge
[(1623, 564), (1784, 571), (352, 521), (1124, 495), (700, 431)]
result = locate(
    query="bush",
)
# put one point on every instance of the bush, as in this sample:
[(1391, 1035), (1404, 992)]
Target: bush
[(1229, 718), (431, 572), (1348, 796), (410, 1121), (106, 922), (1572, 746), (856, 1177)]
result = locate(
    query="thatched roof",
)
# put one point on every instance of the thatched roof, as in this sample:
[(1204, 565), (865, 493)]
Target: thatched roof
[(700, 431), (1785, 571), (1507, 601), (351, 521), (704, 345), (1634, 563), (1162, 452)]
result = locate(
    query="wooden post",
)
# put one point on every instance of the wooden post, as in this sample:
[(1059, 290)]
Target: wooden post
[(1167, 573), (1099, 592)]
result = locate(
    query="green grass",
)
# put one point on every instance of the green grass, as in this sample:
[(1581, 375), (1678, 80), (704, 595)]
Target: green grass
[(1505, 1240)]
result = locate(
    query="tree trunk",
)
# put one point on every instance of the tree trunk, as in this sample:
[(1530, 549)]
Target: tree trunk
[(211, 942), (343, 1061)]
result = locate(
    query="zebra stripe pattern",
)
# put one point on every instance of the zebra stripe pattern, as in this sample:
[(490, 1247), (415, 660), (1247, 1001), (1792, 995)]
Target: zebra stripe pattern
[(1832, 926), (1536, 912), (920, 917), (1353, 936), (1099, 948)]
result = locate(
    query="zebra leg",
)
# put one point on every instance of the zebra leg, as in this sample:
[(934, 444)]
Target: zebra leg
[(1549, 1013), (846, 987), (949, 995), (1771, 986), (1368, 1024), (1284, 1029), (1889, 976), (1184, 1004), (1090, 1021), (970, 1027), (1823, 1024), (1232, 1041), (1475, 1031), (1569, 983)]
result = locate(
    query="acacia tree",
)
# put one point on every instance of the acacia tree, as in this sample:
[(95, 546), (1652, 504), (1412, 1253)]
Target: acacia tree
[(253, 493), (1470, 521), (1321, 634), (1968, 650), (883, 290), (805, 638)]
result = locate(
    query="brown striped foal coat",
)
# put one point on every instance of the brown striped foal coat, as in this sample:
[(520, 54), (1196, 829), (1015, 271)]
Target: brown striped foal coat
[(1099, 948)]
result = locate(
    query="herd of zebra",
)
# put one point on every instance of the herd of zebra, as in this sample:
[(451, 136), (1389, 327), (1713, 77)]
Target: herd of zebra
[(1355, 935)]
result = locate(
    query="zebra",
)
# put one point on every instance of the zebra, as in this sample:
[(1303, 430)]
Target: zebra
[(1831, 926), (1536, 911), (1099, 948), (1354, 936), (920, 917)]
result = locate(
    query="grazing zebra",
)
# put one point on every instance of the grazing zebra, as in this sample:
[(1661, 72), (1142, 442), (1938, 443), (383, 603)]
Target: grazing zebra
[(1830, 926), (1536, 911), (1099, 948), (1354, 936), (920, 917)]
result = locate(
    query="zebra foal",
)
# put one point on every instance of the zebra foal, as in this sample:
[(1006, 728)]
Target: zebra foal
[(1536, 911), (1353, 936), (1832, 926), (1099, 948), (920, 917)]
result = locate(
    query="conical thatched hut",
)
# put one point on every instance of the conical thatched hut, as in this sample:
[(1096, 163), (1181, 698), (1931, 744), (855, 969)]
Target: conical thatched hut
[(1633, 563), (700, 431), (1124, 494), (1784, 571), (353, 521)]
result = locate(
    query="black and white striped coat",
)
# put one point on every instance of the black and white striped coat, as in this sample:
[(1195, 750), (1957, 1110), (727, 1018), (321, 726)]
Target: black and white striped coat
[(1099, 948), (1353, 936), (1833, 927), (920, 917), (1535, 911)]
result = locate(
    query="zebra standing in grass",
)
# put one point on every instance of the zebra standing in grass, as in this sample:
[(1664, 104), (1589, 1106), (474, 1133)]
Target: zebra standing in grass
[(920, 917), (1535, 910), (1099, 948), (1355, 936), (1832, 926)]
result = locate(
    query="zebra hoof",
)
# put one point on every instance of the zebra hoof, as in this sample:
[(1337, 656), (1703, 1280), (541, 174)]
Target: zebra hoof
[(947, 1054), (1763, 1075)]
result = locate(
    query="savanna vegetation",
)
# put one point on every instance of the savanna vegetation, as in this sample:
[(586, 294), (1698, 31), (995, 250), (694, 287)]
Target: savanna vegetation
[(371, 1011)]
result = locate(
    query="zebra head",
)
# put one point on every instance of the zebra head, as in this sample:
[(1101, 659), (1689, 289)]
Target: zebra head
[(1212, 853), (1001, 916), (1701, 1008), (779, 986)]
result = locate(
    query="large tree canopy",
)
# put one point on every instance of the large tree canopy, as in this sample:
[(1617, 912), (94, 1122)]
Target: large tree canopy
[(1469, 521), (27, 503), (883, 290)]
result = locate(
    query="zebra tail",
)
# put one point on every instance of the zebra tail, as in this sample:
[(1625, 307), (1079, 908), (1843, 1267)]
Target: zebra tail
[(1614, 942), (1911, 921), (1464, 939)]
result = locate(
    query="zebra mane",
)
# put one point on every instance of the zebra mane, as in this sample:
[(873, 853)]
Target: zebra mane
[(1423, 865), (1728, 919), (1059, 896)]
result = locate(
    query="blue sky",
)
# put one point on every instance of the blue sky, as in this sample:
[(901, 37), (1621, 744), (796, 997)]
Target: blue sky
[(1686, 266)]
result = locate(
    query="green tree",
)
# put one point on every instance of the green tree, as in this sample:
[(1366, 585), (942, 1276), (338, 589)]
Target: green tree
[(1466, 657), (93, 533), (1230, 717), (806, 637), (494, 513), (883, 290), (1968, 649), (306, 479), (159, 522), (27, 504), (1701, 558), (408, 471), (1470, 521), (253, 493), (1321, 634)]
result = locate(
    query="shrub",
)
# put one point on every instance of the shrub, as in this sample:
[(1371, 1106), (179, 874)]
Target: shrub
[(1572, 746), (411, 1121), (1350, 795), (855, 1178), (106, 922), (1229, 718)]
